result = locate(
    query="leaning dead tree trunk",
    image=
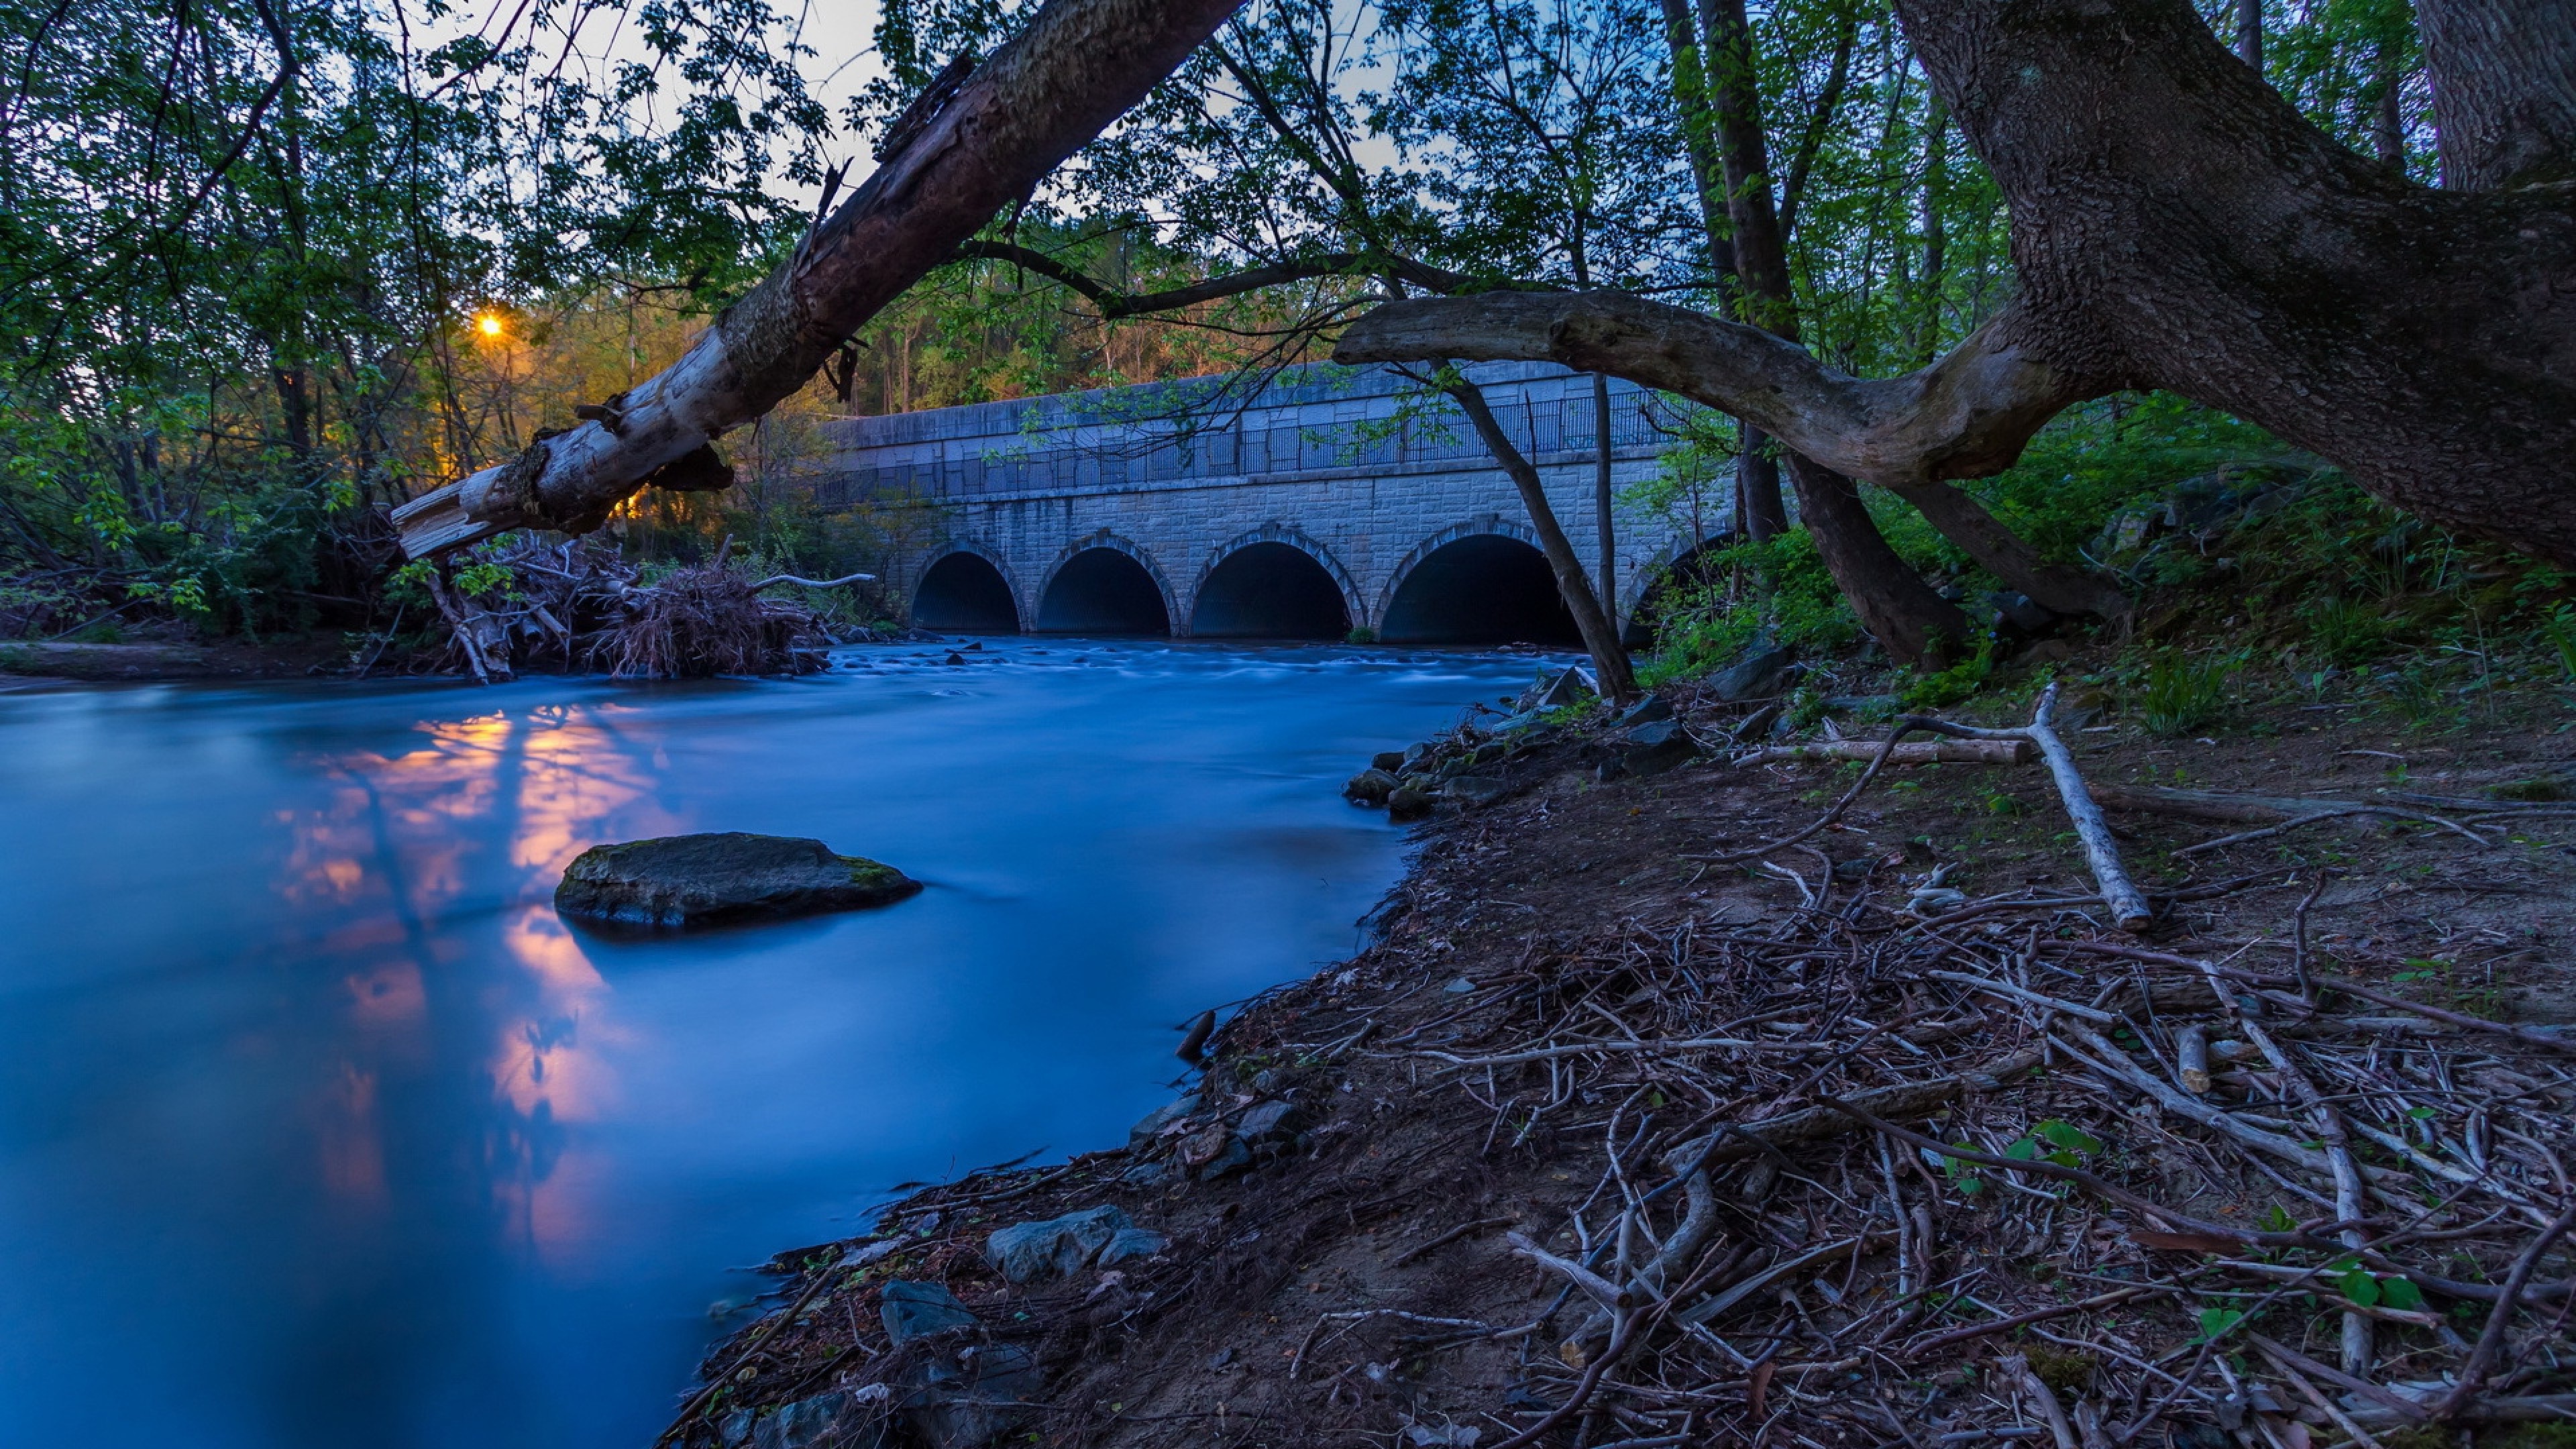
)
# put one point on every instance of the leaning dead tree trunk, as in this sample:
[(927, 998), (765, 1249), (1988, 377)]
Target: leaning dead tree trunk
[(2175, 224), (1590, 610), (978, 138)]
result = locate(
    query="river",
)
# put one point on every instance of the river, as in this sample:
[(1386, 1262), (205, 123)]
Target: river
[(318, 1130)]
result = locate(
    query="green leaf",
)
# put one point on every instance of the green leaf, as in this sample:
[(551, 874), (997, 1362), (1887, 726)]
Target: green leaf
[(2420, 1114), (2215, 1323), (2068, 1136), (2401, 1293), (2361, 1288), (2023, 1150)]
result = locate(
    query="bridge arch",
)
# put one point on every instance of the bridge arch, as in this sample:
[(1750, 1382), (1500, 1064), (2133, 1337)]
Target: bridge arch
[(967, 588), (1274, 582), (1685, 563), (1105, 584), (1484, 581)]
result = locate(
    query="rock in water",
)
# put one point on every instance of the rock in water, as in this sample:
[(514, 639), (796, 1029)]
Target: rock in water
[(1370, 787), (681, 880)]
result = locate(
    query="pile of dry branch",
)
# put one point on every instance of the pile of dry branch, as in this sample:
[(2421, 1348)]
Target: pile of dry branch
[(582, 599)]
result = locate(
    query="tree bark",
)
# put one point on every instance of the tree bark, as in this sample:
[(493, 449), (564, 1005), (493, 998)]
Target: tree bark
[(1601, 500), (1076, 67), (1757, 482), (1609, 657), (1895, 605), (2175, 224), (2504, 89), (2387, 120), (1761, 259), (1759, 511), (2249, 34), (1699, 142)]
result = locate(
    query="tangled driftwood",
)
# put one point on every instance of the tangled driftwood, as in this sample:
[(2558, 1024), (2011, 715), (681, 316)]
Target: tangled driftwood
[(595, 608)]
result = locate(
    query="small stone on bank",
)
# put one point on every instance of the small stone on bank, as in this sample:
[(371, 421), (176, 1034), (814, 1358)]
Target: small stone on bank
[(917, 1310), (1061, 1247)]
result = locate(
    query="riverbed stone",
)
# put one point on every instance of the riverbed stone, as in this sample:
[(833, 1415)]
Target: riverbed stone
[(1370, 787), (835, 1420), (1408, 804), (1758, 674), (912, 1310), (681, 880), (1657, 747), (1478, 789), (1387, 760), (1556, 689), (1264, 1120), (1057, 1247), (1235, 1156), (1645, 711), (1149, 1130), (1132, 1243), (967, 1400)]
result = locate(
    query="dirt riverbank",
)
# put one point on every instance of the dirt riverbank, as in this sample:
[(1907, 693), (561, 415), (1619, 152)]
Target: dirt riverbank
[(1886, 1137)]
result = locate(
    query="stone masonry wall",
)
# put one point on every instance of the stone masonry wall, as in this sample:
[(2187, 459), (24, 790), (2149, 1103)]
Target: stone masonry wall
[(1356, 467)]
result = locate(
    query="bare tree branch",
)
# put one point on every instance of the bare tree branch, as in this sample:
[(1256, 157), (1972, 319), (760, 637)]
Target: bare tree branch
[(1968, 415)]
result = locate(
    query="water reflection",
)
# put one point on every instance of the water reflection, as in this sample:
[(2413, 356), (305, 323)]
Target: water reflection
[(397, 837), (310, 1103)]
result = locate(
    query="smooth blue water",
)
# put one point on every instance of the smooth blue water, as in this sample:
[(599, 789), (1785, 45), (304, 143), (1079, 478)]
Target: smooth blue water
[(317, 1128)]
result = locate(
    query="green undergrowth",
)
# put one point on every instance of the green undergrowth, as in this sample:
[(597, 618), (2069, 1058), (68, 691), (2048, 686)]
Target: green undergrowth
[(2262, 577)]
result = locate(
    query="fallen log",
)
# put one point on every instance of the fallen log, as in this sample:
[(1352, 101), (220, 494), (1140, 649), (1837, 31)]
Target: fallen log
[(978, 139), (1911, 752), (2215, 807)]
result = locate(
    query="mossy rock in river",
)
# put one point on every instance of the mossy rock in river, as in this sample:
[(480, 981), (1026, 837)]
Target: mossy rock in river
[(682, 880)]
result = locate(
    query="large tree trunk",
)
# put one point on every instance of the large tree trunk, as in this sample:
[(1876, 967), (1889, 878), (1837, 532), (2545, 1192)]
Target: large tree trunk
[(2504, 89), (1759, 512), (965, 155), (2175, 224), (1900, 611)]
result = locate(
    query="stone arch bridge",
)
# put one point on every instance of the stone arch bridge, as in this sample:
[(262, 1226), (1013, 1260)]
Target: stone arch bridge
[(1334, 499)]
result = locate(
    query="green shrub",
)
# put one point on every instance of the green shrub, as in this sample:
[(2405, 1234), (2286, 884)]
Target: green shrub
[(1777, 590), (2346, 631), (2182, 694)]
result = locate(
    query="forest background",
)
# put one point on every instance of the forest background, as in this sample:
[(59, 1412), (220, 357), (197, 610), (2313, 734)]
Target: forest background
[(268, 269)]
